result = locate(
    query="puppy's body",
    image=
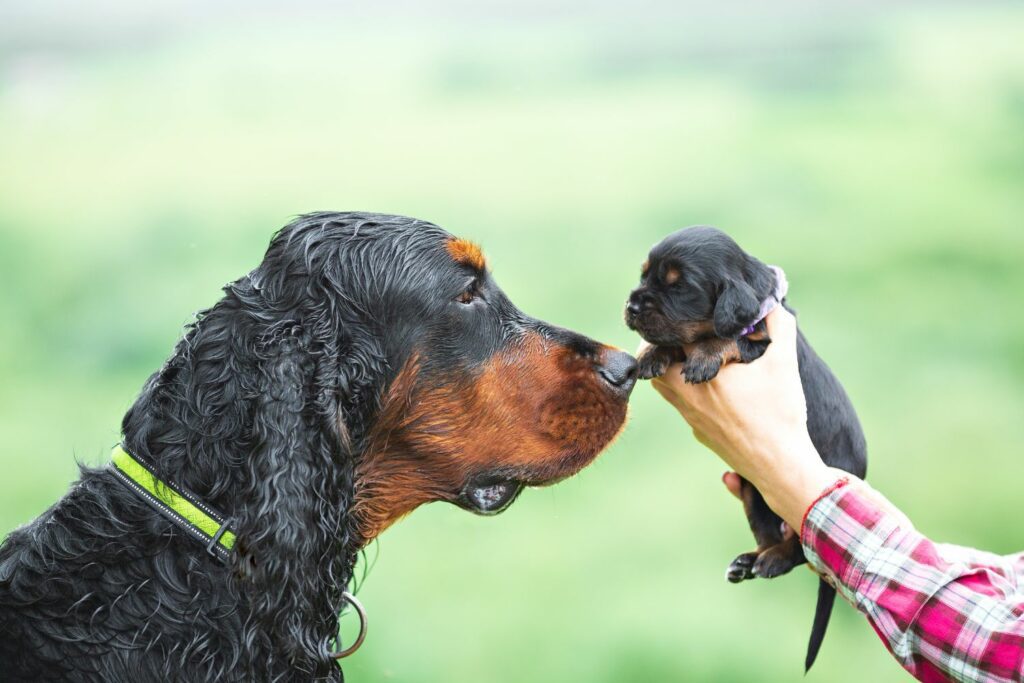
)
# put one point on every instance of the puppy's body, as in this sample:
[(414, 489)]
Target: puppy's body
[(700, 289)]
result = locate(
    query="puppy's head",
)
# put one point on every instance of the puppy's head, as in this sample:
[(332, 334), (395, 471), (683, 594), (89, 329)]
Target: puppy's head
[(696, 284)]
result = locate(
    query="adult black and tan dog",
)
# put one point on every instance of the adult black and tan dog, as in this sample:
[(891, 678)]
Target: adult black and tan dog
[(370, 364), (700, 290)]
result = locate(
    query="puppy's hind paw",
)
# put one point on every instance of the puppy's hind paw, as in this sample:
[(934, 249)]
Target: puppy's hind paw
[(771, 563), (741, 568)]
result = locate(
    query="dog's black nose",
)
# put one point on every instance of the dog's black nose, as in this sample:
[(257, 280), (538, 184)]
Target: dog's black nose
[(618, 368), (633, 307)]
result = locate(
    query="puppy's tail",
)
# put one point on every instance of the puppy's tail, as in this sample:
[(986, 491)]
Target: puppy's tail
[(822, 612)]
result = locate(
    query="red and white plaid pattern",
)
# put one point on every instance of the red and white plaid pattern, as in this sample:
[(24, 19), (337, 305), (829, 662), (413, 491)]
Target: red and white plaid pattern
[(947, 613)]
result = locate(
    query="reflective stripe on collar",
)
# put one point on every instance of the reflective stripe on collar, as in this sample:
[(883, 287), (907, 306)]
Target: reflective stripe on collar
[(181, 507)]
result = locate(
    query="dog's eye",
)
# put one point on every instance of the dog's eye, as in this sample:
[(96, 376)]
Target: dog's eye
[(470, 294)]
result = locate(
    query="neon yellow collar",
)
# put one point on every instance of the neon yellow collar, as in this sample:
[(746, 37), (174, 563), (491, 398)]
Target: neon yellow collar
[(176, 503)]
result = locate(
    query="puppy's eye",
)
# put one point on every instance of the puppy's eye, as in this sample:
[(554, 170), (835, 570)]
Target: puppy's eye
[(470, 294)]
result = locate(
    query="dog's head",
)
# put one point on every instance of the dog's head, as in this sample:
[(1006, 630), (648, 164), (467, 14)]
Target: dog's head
[(697, 283), (478, 398)]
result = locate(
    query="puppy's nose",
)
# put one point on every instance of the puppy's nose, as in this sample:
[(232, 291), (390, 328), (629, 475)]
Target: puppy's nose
[(639, 301), (618, 369)]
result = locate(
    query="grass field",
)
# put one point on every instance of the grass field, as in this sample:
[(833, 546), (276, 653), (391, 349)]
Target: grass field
[(877, 155)]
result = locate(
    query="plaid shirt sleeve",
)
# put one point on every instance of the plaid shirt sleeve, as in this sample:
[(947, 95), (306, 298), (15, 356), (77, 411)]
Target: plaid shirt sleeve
[(945, 612)]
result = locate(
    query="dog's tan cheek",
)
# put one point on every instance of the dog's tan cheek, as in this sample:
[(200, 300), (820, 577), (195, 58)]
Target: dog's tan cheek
[(524, 411)]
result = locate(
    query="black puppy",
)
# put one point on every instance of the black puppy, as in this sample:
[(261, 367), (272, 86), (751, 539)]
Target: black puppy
[(699, 288)]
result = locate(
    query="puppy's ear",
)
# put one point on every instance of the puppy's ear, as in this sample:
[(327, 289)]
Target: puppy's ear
[(736, 308)]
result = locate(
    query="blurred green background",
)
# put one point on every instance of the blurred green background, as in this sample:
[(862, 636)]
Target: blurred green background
[(876, 151)]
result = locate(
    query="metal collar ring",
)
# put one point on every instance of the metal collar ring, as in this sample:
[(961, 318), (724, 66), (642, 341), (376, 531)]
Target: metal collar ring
[(361, 612)]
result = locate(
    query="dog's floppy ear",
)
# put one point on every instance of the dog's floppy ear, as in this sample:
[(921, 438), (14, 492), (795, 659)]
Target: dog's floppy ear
[(736, 308), (292, 530)]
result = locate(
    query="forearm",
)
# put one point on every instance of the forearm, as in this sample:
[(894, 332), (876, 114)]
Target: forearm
[(791, 477), (945, 616)]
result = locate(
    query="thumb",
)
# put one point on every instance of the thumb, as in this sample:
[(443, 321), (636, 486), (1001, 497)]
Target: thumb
[(781, 327)]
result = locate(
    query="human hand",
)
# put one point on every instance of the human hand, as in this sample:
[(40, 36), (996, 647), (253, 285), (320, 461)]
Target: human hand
[(755, 418)]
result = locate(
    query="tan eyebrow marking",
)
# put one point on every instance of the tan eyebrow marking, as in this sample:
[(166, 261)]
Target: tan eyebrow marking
[(467, 253), (671, 276), (644, 267)]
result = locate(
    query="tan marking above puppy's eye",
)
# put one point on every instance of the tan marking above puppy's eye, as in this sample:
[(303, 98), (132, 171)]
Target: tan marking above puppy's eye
[(644, 267), (671, 276)]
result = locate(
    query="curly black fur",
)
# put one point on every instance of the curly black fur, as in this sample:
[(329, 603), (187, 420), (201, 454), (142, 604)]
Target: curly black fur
[(264, 411)]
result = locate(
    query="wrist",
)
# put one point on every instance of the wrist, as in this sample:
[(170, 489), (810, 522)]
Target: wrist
[(796, 482)]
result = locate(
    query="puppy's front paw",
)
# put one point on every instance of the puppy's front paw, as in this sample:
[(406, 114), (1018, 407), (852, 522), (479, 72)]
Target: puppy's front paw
[(701, 368), (654, 362), (741, 568)]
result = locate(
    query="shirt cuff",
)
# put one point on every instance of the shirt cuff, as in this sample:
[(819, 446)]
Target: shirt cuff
[(841, 534)]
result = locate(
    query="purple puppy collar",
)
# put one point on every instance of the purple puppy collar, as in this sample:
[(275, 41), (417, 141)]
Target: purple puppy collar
[(769, 304)]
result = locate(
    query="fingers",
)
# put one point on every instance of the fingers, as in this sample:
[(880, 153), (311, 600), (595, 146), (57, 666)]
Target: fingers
[(781, 326), (732, 483)]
